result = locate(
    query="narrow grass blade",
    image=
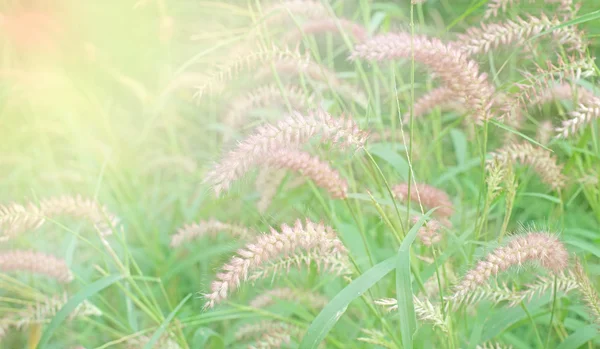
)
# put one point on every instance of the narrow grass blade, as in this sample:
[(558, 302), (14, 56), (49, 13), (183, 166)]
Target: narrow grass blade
[(184, 265), (77, 299), (579, 338), (459, 140), (202, 339), (522, 135), (392, 157), (584, 245), (161, 329), (502, 321), (581, 19), (470, 10), (404, 294), (332, 312), (541, 196)]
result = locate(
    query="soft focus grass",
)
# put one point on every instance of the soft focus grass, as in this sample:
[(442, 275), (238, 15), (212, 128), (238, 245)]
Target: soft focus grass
[(93, 112)]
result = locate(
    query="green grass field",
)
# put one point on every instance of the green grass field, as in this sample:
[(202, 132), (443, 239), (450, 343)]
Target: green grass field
[(302, 174)]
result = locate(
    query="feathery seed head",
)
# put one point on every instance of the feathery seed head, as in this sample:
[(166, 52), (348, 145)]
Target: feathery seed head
[(516, 32), (37, 263), (215, 82), (311, 167), (424, 310), (297, 245), (583, 115), (539, 158), (44, 311), (211, 228), (263, 96), (322, 76), (16, 219), (268, 334), (564, 91), (80, 207), (356, 31), (587, 290), (459, 74), (430, 232), (268, 298), (544, 132), (375, 337), (439, 97), (540, 247), (564, 10), (310, 9), (426, 195), (289, 133)]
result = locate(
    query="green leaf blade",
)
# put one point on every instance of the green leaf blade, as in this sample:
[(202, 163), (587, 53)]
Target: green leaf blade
[(404, 293), (77, 299), (332, 312), (161, 329)]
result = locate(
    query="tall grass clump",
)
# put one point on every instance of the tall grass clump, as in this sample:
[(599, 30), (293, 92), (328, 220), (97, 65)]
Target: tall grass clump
[(299, 174)]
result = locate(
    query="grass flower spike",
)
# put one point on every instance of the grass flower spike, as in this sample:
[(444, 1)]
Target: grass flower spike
[(356, 31), (291, 132), (430, 232), (36, 263), (564, 8), (270, 297), (426, 195), (282, 10), (263, 96), (539, 158), (541, 248), (300, 244), (218, 77), (310, 167), (589, 293), (80, 207), (458, 73), (210, 228), (425, 311), (268, 334), (515, 32), (565, 283), (16, 219), (439, 97), (43, 312), (583, 115)]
